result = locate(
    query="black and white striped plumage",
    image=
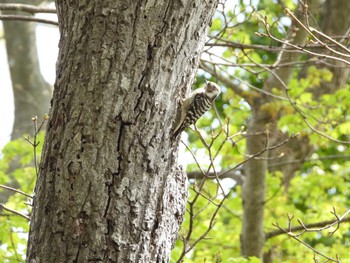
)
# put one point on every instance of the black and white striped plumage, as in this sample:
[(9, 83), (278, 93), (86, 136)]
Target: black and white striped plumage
[(196, 105)]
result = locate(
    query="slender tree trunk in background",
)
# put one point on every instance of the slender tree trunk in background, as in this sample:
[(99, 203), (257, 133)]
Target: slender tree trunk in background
[(31, 92), (334, 21), (109, 189), (254, 186), (253, 189)]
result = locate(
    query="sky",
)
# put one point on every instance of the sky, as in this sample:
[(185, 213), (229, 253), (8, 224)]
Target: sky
[(47, 46), (6, 97)]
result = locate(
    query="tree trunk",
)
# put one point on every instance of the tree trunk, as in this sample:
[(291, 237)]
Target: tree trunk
[(253, 189), (254, 186), (109, 188), (335, 22), (252, 235), (31, 92)]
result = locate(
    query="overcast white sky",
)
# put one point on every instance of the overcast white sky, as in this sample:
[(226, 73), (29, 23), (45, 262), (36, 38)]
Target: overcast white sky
[(47, 45), (6, 97)]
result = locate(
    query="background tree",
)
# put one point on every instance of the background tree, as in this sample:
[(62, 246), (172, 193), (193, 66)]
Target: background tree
[(31, 92), (274, 72)]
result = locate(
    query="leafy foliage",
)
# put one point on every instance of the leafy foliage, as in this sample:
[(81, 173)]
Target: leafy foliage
[(321, 183), (16, 170)]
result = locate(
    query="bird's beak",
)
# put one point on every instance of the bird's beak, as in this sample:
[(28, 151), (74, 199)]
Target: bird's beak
[(206, 82)]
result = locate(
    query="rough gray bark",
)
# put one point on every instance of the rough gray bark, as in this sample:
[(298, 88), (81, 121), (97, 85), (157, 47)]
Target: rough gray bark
[(31, 92), (109, 189)]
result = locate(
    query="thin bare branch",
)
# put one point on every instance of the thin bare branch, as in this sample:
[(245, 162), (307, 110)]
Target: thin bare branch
[(238, 89), (305, 228), (28, 19), (188, 247), (226, 174), (300, 49), (319, 225), (14, 212), (309, 31), (27, 8), (304, 117), (328, 157), (297, 109), (260, 153), (336, 43), (289, 233), (15, 190), (226, 43)]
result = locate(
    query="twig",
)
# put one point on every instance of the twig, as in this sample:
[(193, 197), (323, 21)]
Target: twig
[(35, 137), (27, 8), (310, 228), (226, 43), (238, 89), (321, 225), (304, 117), (304, 243), (270, 66), (14, 212), (297, 109), (330, 39), (329, 157), (338, 220), (14, 247), (187, 247), (199, 192), (223, 174), (296, 47), (309, 31), (194, 158), (15, 190), (28, 18), (260, 153)]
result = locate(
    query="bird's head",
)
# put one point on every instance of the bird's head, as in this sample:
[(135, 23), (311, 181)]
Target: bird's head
[(212, 89)]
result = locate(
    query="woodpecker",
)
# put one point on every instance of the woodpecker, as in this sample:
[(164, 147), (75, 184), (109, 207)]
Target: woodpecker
[(196, 105)]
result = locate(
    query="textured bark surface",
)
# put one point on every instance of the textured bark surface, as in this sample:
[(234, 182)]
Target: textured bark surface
[(109, 189), (31, 92)]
